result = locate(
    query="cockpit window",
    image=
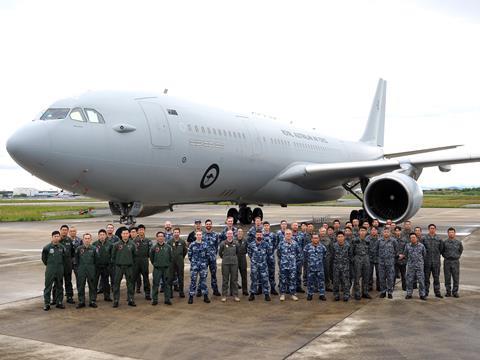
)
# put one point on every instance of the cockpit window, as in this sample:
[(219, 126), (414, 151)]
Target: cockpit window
[(77, 115), (94, 116), (55, 114)]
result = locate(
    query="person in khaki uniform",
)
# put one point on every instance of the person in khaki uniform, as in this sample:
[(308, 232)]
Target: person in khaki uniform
[(161, 257), (228, 253), (179, 251)]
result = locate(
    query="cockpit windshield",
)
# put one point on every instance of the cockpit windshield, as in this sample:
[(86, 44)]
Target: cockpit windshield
[(55, 114)]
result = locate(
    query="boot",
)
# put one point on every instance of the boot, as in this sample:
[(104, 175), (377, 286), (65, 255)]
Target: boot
[(206, 299), (251, 297), (267, 297), (190, 299), (273, 291), (309, 297)]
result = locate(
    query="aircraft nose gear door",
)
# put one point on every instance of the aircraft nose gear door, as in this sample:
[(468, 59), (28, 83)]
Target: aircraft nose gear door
[(157, 122)]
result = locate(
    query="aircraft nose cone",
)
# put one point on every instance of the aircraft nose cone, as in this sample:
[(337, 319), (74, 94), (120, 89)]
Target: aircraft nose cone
[(30, 145)]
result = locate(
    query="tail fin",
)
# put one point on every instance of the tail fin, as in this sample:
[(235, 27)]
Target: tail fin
[(374, 130)]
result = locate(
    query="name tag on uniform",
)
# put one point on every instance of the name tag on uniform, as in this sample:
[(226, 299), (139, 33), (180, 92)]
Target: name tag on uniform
[(52, 251)]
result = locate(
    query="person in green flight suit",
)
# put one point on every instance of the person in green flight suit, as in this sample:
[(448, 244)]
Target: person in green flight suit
[(86, 257), (53, 256)]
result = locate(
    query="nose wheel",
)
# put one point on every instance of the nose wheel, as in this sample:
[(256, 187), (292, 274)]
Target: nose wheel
[(128, 211)]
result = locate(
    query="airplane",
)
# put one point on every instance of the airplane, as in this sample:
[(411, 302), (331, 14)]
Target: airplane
[(146, 152)]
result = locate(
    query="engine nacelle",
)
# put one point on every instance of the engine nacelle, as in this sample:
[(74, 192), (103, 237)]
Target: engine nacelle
[(392, 196)]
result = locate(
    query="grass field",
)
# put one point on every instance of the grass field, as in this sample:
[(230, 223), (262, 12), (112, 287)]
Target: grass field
[(40, 213), (25, 212)]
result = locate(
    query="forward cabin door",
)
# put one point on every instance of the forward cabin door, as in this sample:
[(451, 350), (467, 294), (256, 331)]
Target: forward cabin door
[(160, 135)]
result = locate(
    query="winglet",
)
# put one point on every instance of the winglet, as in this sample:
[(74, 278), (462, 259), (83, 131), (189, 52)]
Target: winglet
[(374, 131)]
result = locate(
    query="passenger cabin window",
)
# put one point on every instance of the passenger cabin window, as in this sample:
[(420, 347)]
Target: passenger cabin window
[(77, 115), (94, 116), (55, 114)]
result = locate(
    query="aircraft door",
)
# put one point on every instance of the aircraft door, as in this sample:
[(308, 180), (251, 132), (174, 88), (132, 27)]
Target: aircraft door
[(157, 122)]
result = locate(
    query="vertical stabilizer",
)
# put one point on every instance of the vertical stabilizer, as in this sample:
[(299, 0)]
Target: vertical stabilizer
[(374, 131)]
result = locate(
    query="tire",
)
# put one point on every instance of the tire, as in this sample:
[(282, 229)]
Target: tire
[(354, 215), (257, 212), (233, 212), (245, 215)]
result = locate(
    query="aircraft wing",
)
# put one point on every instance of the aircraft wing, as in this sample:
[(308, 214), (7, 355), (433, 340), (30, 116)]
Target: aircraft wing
[(315, 176)]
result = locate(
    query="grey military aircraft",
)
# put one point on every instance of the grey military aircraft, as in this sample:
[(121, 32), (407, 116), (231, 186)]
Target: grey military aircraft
[(145, 153)]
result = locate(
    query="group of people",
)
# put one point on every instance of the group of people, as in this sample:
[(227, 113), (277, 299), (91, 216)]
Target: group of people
[(331, 258)]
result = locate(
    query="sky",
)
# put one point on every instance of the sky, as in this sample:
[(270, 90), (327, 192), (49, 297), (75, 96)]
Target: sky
[(315, 63)]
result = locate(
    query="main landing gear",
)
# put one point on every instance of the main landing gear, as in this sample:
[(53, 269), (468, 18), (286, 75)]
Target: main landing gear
[(244, 214), (359, 214)]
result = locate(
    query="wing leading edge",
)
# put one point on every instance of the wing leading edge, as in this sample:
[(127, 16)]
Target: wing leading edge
[(314, 176)]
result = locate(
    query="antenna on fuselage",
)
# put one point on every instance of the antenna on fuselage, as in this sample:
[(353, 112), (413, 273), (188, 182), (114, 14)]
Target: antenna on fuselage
[(165, 91)]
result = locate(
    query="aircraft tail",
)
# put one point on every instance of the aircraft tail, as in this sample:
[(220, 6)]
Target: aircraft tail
[(374, 131)]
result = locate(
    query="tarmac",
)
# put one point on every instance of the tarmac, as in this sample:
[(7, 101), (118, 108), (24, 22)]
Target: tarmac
[(368, 329)]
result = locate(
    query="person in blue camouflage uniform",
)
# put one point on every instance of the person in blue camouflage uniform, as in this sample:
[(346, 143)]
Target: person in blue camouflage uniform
[(414, 254), (251, 239), (299, 237), (253, 230), (373, 257), (341, 258), (229, 226), (452, 251), (198, 256), (401, 263), (434, 246), (210, 238), (361, 262), (315, 255), (271, 238), (288, 252), (281, 237), (259, 252), (387, 250), (309, 230)]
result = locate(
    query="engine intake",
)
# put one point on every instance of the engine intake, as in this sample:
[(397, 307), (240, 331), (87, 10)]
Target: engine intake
[(392, 196)]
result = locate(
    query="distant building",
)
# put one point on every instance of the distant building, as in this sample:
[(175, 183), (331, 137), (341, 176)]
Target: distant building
[(25, 191), (6, 194)]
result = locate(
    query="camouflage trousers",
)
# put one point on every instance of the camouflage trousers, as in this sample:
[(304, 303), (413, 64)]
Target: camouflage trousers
[(288, 281), (212, 265), (434, 269), (413, 275), (451, 269), (362, 270), (315, 281), (386, 272), (341, 280), (259, 272), (197, 271)]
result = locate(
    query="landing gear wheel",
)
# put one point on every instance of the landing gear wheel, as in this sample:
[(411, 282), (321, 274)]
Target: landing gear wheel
[(245, 215), (119, 231), (257, 212), (354, 215), (362, 215), (233, 212)]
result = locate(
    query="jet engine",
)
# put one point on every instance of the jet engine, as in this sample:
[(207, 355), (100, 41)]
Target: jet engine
[(392, 196)]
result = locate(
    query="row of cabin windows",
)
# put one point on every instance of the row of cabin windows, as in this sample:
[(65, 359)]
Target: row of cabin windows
[(216, 132), (298, 145)]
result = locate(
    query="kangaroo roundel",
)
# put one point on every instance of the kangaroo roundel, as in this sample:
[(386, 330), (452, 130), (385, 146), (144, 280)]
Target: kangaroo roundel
[(210, 176)]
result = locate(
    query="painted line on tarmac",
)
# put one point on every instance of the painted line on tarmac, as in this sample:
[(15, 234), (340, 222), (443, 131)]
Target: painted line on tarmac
[(25, 347)]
